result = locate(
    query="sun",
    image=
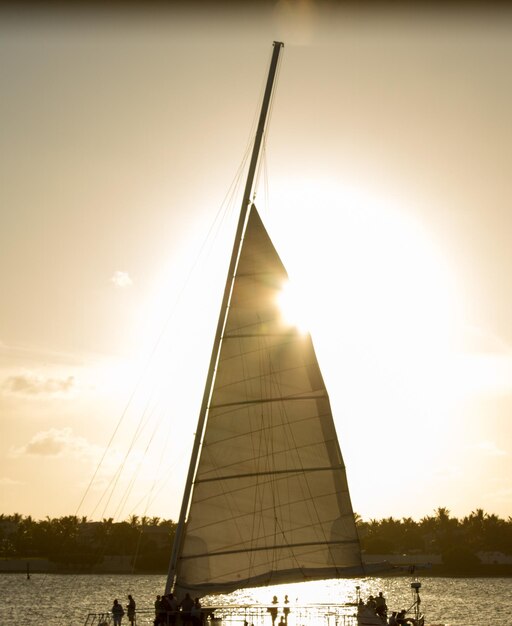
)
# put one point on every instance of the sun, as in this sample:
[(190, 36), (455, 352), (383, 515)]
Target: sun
[(295, 306)]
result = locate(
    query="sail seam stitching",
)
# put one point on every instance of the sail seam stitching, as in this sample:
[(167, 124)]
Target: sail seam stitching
[(302, 470), (272, 547), (262, 400)]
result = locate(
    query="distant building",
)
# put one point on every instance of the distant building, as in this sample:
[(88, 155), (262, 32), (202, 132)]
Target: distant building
[(494, 558)]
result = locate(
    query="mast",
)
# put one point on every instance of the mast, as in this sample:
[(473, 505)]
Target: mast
[(244, 210)]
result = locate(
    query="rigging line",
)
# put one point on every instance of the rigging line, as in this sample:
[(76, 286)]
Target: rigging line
[(115, 479), (124, 498), (157, 425), (234, 190), (140, 429), (233, 186), (129, 488), (161, 482), (157, 472)]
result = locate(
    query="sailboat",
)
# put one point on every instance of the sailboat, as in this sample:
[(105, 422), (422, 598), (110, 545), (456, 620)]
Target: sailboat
[(266, 499)]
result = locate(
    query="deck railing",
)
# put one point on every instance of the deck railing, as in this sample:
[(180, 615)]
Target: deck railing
[(243, 615)]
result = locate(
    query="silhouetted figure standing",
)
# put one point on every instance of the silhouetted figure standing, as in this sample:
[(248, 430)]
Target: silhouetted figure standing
[(117, 613), (286, 610), (273, 610), (171, 608), (130, 609), (186, 607), (158, 610), (380, 606)]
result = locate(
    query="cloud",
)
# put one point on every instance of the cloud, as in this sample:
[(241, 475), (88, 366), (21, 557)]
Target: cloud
[(32, 384), (57, 443), (121, 279)]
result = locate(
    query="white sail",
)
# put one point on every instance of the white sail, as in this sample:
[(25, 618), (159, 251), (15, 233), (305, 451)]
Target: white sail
[(270, 501)]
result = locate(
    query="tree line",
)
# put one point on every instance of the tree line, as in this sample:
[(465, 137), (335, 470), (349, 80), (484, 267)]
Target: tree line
[(478, 531), (147, 540), (458, 541), (79, 541)]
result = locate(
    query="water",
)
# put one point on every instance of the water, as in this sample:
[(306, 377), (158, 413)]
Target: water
[(64, 600)]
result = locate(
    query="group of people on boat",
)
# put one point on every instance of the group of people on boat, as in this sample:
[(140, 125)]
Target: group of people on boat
[(118, 611), (397, 618), (168, 611), (377, 605), (273, 610)]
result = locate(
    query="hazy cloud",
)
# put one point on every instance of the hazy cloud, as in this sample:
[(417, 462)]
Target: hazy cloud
[(121, 279), (32, 384), (56, 442)]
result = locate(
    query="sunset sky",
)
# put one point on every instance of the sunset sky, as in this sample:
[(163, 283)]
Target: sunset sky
[(385, 186)]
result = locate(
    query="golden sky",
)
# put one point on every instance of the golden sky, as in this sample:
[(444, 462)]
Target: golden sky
[(386, 188)]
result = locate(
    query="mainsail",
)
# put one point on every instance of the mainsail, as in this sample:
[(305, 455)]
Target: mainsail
[(270, 500)]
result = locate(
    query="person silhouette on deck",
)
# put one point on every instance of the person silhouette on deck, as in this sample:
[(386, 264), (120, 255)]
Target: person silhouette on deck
[(380, 605), (286, 610), (117, 613), (130, 609), (186, 607), (158, 611), (273, 610)]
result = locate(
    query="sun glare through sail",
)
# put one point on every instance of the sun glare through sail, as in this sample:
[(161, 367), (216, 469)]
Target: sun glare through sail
[(295, 307)]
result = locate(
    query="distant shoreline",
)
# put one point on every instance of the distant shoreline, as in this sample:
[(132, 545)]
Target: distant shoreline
[(44, 566)]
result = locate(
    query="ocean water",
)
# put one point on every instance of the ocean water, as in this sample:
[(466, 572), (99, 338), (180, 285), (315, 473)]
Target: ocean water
[(65, 600)]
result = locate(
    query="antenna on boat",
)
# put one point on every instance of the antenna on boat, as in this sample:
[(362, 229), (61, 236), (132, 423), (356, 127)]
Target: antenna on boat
[(244, 211), (416, 605)]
